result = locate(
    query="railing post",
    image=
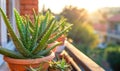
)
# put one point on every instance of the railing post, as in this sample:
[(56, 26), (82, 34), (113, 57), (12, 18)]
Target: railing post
[(82, 59)]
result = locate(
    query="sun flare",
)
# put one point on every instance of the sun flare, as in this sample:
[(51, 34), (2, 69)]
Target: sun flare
[(57, 6)]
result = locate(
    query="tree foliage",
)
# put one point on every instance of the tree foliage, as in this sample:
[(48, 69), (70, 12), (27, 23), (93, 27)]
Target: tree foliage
[(74, 15), (82, 32)]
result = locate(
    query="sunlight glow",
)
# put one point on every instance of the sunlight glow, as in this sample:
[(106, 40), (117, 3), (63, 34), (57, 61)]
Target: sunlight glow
[(91, 5)]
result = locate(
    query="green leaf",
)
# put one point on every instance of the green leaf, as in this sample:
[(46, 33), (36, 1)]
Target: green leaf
[(47, 51), (40, 36), (44, 39), (28, 40), (20, 47), (10, 53), (35, 16), (44, 23), (32, 69), (35, 34), (31, 27), (58, 35), (21, 27), (60, 23)]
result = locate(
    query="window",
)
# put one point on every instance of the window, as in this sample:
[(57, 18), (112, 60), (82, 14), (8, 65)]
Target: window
[(9, 4), (117, 28), (3, 31)]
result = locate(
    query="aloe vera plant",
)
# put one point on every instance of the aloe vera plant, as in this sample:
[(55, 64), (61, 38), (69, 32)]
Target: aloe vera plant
[(34, 36)]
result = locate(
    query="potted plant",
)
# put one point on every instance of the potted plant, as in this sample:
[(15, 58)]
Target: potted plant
[(62, 38), (59, 65), (64, 25), (32, 41)]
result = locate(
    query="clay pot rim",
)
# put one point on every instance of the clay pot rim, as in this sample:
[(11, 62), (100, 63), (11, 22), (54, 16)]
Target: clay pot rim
[(29, 61)]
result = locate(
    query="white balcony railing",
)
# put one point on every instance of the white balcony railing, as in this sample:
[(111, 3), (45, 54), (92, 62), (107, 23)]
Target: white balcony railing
[(81, 60), (114, 35)]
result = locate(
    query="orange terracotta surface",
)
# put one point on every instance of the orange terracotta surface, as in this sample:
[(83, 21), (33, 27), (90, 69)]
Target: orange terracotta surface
[(23, 64), (61, 39)]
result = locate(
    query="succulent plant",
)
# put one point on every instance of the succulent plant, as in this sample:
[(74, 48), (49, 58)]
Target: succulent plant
[(34, 35), (61, 65)]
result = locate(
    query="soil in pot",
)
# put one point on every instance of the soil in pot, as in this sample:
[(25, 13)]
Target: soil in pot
[(50, 69)]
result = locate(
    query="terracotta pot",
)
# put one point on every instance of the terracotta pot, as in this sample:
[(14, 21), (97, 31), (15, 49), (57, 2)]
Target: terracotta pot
[(61, 39), (23, 64)]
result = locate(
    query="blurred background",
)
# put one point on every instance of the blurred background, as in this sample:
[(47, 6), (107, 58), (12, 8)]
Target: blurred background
[(96, 29)]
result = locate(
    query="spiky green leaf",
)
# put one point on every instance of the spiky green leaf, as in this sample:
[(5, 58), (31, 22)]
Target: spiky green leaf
[(58, 35), (42, 44), (20, 26), (20, 47), (35, 34), (45, 52), (10, 53), (40, 36), (43, 24)]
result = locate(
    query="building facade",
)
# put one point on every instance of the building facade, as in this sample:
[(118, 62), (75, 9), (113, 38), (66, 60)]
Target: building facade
[(113, 31)]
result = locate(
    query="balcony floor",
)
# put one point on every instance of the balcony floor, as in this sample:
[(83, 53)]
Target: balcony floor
[(4, 67)]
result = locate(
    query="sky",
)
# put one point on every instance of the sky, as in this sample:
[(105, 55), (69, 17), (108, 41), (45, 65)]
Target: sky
[(57, 6)]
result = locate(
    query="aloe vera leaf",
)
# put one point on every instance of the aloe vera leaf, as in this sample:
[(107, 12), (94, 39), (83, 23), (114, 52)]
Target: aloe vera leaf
[(31, 26), (47, 51), (28, 40), (43, 24), (35, 16), (20, 47), (31, 30), (20, 26), (40, 36), (58, 35), (35, 34), (44, 39), (58, 26), (10, 53)]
